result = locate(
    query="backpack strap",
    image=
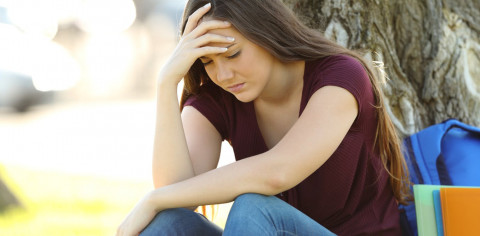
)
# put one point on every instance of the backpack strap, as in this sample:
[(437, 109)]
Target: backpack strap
[(408, 152)]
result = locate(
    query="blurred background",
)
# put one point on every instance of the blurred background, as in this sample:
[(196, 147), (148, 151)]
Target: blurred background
[(77, 105)]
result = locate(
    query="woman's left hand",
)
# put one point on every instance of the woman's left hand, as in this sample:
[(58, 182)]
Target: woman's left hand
[(139, 218)]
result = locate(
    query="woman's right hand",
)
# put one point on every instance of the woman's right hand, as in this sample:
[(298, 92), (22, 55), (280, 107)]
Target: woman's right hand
[(192, 46)]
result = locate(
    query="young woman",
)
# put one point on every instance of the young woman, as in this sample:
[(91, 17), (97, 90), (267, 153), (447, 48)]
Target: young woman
[(316, 151)]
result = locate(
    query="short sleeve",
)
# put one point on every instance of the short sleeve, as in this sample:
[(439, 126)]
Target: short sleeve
[(209, 103), (345, 72)]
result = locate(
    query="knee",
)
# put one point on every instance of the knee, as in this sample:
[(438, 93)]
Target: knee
[(250, 203), (167, 221), (250, 213), (252, 200), (180, 221), (172, 216)]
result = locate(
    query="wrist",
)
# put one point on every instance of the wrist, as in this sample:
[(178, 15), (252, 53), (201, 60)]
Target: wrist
[(152, 201), (165, 83), (168, 78)]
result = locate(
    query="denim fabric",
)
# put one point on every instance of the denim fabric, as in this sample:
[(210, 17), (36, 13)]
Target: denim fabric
[(254, 214), (251, 214), (181, 222)]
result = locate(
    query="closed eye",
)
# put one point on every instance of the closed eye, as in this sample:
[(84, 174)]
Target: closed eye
[(229, 57), (234, 55), (206, 63)]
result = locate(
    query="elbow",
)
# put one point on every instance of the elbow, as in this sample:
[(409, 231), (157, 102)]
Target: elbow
[(277, 183), (273, 176)]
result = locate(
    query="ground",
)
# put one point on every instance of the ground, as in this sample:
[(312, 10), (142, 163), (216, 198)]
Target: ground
[(78, 168)]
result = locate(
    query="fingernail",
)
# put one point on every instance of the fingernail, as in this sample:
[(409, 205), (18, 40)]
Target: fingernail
[(207, 5), (224, 49), (231, 39), (226, 23)]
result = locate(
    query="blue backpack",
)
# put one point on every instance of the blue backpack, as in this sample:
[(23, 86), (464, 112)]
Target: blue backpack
[(443, 154)]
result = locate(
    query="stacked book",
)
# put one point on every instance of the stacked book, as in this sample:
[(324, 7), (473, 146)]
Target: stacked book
[(447, 210)]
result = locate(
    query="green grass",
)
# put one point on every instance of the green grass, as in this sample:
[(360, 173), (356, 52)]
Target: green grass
[(65, 204), (57, 203)]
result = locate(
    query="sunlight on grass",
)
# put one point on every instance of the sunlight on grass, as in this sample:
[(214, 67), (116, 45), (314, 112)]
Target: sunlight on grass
[(64, 204)]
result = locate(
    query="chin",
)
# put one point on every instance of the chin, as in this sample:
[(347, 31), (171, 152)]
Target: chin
[(244, 97)]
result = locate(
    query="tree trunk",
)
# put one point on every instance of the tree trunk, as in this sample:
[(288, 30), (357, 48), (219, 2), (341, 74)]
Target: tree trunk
[(7, 199), (430, 50)]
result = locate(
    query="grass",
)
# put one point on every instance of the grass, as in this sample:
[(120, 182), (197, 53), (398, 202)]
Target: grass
[(64, 204)]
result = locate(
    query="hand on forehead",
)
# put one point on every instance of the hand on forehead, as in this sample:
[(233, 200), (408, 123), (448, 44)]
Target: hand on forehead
[(227, 32), (209, 18)]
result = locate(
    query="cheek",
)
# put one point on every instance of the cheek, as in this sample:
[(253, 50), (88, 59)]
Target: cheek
[(254, 64), (247, 61)]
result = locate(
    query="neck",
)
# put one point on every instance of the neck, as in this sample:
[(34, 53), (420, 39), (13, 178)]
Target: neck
[(286, 81)]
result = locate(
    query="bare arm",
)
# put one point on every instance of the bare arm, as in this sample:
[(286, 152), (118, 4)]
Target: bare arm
[(203, 140), (171, 159), (171, 162), (318, 132), (181, 153)]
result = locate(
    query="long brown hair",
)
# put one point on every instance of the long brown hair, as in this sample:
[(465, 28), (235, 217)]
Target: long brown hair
[(274, 27)]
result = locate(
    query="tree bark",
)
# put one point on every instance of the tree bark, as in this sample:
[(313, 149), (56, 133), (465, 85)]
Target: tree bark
[(430, 50)]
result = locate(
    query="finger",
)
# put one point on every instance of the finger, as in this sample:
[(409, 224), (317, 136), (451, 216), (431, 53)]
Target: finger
[(193, 19), (209, 50), (206, 26), (212, 38)]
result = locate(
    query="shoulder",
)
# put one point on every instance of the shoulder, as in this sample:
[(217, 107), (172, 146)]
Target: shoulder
[(339, 70), (212, 103), (342, 65)]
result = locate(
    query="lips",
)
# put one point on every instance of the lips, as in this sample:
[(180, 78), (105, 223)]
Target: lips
[(236, 88)]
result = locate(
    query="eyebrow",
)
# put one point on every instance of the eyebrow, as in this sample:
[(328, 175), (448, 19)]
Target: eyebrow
[(226, 47)]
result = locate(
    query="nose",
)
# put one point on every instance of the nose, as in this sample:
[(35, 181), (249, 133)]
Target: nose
[(223, 72)]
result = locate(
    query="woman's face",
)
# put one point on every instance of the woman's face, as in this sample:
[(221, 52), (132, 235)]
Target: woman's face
[(243, 70)]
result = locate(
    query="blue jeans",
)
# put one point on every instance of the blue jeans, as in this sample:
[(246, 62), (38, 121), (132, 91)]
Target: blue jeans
[(251, 214)]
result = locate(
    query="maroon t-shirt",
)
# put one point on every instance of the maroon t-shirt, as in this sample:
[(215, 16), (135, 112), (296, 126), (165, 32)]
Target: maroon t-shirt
[(350, 193)]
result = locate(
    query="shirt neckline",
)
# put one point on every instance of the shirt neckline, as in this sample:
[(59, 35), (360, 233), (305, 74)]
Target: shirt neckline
[(253, 114)]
